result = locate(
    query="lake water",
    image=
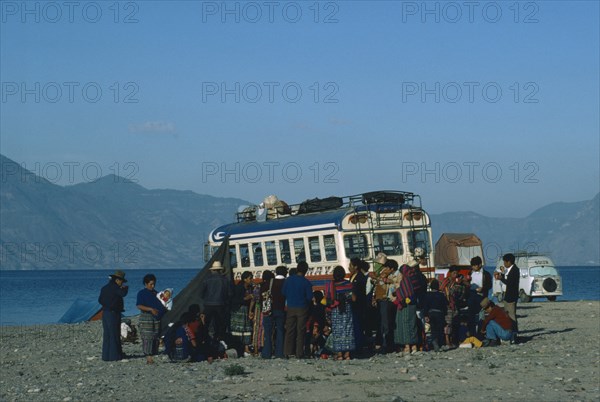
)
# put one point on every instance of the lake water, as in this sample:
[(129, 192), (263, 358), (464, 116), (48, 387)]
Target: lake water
[(42, 297)]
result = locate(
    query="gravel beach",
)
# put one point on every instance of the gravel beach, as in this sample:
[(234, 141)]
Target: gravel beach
[(558, 360)]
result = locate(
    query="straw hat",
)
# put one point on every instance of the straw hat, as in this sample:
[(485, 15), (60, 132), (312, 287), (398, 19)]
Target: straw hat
[(216, 266)]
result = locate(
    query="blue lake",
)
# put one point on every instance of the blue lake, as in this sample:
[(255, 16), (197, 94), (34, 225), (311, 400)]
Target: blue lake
[(41, 297)]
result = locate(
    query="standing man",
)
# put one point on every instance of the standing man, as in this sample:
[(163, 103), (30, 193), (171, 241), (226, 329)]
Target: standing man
[(509, 275), (298, 295), (215, 293), (481, 283), (111, 299)]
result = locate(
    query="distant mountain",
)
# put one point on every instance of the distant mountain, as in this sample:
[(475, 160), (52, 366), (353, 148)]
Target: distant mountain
[(114, 222), (569, 231)]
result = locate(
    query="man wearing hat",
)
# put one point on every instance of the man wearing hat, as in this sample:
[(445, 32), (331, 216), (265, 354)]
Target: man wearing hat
[(497, 324), (215, 292), (111, 299)]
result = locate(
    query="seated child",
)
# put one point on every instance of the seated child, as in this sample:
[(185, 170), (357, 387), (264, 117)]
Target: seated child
[(165, 298)]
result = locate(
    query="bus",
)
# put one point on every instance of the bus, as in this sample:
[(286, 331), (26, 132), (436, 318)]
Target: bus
[(326, 233)]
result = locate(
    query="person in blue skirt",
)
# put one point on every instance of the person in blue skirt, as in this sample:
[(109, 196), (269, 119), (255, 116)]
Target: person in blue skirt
[(111, 299)]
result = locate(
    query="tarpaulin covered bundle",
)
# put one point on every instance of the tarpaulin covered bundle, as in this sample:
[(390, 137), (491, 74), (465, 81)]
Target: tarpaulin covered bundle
[(191, 293), (82, 310), (457, 249)]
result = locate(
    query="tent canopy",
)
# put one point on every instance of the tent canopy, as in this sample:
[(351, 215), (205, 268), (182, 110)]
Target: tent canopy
[(81, 310), (191, 293), (457, 249)]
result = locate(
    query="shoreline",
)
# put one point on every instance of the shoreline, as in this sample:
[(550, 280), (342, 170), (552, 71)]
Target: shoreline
[(558, 359)]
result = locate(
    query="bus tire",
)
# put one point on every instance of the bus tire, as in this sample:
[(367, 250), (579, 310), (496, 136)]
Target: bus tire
[(551, 298)]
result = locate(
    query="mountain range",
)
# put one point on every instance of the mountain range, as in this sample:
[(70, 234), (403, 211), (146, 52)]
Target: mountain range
[(115, 222)]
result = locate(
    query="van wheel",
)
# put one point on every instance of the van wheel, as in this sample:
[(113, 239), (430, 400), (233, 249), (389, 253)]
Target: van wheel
[(524, 297), (551, 298)]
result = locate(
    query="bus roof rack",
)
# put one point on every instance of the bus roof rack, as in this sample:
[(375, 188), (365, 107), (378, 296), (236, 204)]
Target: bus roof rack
[(382, 197)]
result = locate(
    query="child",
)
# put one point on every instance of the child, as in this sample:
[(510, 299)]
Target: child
[(165, 298), (434, 311)]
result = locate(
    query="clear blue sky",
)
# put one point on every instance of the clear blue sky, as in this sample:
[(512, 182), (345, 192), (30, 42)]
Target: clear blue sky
[(407, 98)]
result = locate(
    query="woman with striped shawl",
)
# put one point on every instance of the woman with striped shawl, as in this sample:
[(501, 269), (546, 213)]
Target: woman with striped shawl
[(406, 332), (151, 311)]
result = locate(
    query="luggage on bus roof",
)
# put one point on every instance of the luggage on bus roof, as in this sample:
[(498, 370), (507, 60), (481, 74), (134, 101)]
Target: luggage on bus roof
[(381, 197), (318, 205)]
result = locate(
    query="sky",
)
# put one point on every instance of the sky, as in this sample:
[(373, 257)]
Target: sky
[(490, 107)]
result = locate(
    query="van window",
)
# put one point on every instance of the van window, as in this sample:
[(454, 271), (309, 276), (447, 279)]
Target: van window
[(299, 250), (330, 249), (258, 255), (271, 253), (244, 255), (314, 248), (388, 243), (356, 246), (284, 250), (543, 271)]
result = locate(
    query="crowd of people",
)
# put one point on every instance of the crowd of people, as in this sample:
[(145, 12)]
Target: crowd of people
[(389, 308)]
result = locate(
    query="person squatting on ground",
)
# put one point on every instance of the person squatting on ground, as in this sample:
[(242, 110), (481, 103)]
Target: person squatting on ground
[(152, 311), (111, 299), (497, 325)]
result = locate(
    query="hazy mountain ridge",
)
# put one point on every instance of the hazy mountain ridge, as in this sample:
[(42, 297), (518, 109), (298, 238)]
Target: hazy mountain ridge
[(570, 232), (107, 223), (116, 222)]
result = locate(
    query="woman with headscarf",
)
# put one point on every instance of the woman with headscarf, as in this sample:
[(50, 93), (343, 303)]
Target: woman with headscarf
[(151, 312), (241, 316), (111, 299)]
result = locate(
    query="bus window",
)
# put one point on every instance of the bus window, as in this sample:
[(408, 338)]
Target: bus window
[(258, 256), (330, 250), (232, 256), (271, 253), (418, 238), (388, 243), (356, 246), (299, 250), (315, 249), (284, 249), (245, 257)]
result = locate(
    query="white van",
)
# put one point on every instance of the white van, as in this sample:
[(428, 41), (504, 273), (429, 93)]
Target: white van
[(539, 278)]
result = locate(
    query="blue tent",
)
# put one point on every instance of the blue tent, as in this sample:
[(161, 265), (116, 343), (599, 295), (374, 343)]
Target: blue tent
[(82, 310)]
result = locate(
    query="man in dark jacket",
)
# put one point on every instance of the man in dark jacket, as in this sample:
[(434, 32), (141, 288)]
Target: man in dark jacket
[(509, 275), (111, 299), (215, 293)]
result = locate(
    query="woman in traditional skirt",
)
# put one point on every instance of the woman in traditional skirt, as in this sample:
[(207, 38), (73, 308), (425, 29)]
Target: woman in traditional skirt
[(339, 296), (406, 314), (258, 340), (152, 310), (241, 316)]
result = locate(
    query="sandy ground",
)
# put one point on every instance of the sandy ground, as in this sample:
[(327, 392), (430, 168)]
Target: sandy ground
[(558, 360)]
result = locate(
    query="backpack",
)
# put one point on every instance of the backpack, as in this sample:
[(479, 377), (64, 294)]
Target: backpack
[(267, 300)]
